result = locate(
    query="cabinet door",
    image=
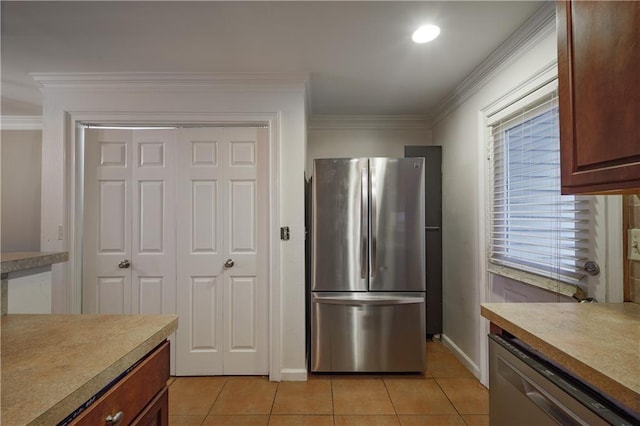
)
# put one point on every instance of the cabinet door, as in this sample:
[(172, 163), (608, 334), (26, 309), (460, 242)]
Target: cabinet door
[(599, 84), (156, 413)]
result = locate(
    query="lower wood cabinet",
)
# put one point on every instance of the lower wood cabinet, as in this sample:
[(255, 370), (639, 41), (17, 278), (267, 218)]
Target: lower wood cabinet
[(139, 398), (156, 413)]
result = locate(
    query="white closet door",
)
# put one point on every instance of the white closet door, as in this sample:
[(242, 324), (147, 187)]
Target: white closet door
[(153, 256), (129, 217), (222, 289), (106, 288), (245, 235), (200, 252), (179, 205)]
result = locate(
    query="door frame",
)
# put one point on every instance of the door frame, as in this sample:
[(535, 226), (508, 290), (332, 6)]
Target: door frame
[(74, 192)]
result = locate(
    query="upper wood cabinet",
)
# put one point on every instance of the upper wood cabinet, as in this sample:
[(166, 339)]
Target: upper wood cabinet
[(599, 90)]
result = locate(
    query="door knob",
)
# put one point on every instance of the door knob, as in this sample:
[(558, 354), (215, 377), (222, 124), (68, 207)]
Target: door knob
[(229, 263), (124, 264)]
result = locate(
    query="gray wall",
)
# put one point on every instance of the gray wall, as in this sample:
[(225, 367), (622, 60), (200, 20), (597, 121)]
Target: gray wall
[(21, 170)]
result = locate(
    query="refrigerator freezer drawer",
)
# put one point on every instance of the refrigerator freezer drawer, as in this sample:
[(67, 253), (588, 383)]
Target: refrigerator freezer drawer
[(364, 332)]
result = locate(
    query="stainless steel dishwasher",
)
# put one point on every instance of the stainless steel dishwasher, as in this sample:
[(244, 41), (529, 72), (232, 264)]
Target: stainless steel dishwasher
[(525, 389)]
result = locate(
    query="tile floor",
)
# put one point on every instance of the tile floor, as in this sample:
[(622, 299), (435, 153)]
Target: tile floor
[(447, 394)]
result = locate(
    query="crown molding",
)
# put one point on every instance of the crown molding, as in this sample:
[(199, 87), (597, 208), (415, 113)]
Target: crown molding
[(165, 80), (329, 122), (541, 24), (540, 78), (21, 122)]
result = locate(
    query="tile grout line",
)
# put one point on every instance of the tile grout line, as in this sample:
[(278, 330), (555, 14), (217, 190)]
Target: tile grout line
[(226, 380), (449, 399), (395, 412), (273, 403), (333, 409)]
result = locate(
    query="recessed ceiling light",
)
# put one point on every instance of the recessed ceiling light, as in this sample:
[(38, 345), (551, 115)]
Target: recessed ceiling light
[(425, 33)]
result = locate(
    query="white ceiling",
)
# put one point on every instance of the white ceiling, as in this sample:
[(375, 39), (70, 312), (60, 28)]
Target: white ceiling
[(359, 55)]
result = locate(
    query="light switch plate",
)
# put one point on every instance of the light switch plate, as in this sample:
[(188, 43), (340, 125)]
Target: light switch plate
[(285, 234), (634, 244)]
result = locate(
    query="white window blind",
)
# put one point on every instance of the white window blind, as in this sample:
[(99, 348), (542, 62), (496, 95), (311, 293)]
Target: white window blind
[(532, 227)]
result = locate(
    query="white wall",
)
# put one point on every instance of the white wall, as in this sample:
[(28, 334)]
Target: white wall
[(460, 134), (21, 156), (363, 142), (65, 100)]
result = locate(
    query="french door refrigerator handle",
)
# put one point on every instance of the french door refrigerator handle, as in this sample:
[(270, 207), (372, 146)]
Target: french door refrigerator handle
[(364, 221), (374, 225)]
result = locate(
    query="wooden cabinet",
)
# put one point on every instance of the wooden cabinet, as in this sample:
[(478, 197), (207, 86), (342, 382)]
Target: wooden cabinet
[(139, 398), (156, 413), (599, 90)]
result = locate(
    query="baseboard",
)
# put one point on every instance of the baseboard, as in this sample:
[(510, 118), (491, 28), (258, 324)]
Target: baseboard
[(462, 357), (293, 375)]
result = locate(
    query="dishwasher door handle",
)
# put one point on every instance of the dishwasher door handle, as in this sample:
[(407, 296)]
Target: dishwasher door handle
[(553, 409), (548, 406)]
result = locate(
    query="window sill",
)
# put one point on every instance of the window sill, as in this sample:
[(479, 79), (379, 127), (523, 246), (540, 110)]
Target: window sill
[(544, 283)]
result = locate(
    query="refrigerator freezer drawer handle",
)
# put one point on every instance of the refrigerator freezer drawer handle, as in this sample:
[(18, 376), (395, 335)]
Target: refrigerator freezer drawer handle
[(359, 302)]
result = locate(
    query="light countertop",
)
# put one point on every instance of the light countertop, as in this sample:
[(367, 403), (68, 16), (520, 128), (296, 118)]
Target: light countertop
[(598, 342), (19, 261), (51, 364)]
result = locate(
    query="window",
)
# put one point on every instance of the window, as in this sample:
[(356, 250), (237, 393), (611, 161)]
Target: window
[(532, 227)]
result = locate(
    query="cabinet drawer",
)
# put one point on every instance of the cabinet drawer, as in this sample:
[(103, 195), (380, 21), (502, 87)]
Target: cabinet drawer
[(131, 394)]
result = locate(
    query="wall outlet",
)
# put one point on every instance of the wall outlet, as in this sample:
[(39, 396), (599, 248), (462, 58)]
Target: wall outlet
[(60, 232), (634, 244)]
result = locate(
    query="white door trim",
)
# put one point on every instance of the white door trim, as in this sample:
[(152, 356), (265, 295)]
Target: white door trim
[(74, 197)]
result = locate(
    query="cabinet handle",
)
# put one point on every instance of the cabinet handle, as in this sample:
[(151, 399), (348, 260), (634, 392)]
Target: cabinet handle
[(115, 419)]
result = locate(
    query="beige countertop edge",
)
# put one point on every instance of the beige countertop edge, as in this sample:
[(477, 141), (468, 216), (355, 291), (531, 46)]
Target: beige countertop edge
[(20, 261), (71, 402), (588, 374), (60, 411)]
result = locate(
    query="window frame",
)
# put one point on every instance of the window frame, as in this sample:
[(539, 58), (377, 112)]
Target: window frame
[(506, 107)]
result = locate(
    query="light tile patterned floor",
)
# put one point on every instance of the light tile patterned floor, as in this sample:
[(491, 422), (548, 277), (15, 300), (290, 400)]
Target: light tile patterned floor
[(447, 394)]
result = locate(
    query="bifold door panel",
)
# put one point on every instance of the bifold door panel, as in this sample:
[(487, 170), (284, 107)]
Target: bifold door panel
[(129, 238), (222, 290)]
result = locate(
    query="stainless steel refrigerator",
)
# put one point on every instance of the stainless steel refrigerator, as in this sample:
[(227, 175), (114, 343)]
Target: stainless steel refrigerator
[(368, 265)]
